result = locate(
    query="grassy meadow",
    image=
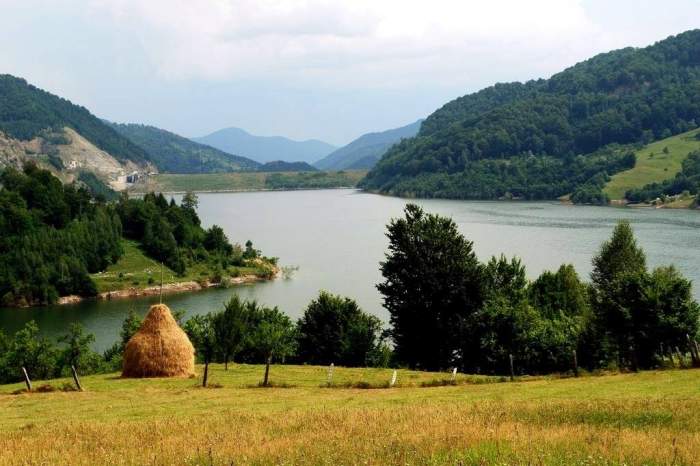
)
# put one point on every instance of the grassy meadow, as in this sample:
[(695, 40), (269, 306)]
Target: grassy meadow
[(250, 181), (653, 165), (645, 418), (136, 270)]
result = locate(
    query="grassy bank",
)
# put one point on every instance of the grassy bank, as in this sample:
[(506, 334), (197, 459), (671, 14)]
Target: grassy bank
[(653, 165), (646, 418), (250, 181), (135, 270)]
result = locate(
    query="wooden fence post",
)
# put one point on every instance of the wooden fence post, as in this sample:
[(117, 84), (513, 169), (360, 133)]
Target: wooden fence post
[(512, 369), (633, 359), (393, 379), (330, 375), (75, 378), (575, 364), (26, 379)]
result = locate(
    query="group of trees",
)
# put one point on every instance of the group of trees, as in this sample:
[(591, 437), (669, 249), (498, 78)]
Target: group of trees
[(44, 359), (528, 177), (629, 96), (450, 310), (53, 236), (447, 309), (687, 180), (332, 330), (172, 233)]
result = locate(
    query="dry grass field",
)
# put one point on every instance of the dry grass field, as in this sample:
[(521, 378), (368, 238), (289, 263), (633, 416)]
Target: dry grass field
[(646, 418)]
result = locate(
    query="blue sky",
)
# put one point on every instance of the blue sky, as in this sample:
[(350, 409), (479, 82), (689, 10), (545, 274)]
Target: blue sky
[(330, 70)]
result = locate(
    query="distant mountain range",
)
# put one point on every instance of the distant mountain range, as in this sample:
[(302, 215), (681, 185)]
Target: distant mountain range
[(175, 154), (265, 149), (365, 151)]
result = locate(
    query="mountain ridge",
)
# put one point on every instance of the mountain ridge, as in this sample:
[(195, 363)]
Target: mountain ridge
[(27, 112), (173, 153), (364, 151), (264, 149)]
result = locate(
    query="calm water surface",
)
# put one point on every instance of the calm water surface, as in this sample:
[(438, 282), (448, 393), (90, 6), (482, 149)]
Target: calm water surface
[(336, 237)]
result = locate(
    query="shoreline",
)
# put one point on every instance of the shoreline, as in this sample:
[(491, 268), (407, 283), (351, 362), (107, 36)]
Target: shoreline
[(168, 288), (617, 203), (263, 190)]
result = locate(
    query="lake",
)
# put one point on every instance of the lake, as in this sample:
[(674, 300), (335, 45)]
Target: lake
[(336, 238)]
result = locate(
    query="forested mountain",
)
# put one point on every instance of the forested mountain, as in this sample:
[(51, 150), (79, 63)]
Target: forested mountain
[(27, 112), (175, 154), (525, 139), (266, 148), (365, 151)]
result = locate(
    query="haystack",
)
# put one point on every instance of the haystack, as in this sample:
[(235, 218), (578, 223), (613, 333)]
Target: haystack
[(160, 348)]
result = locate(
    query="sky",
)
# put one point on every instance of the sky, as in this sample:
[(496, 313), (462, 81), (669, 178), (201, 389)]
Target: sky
[(329, 70)]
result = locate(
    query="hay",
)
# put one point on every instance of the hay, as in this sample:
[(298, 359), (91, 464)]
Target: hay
[(160, 348)]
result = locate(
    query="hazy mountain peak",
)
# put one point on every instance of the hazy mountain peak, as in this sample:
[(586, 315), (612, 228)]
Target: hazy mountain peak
[(265, 149), (366, 150)]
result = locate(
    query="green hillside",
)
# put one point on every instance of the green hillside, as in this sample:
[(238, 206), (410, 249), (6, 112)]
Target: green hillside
[(27, 111), (547, 421), (656, 162), (532, 140), (134, 269), (175, 154), (251, 181)]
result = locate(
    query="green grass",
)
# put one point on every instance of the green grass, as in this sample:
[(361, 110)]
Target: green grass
[(251, 181), (653, 165), (645, 418), (136, 270)]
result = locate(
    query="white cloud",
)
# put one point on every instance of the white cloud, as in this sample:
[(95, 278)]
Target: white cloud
[(359, 42)]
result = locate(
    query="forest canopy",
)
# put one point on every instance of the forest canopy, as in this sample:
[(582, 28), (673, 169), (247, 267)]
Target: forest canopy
[(517, 134), (53, 236)]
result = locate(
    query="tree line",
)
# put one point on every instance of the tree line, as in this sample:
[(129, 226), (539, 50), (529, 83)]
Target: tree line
[(53, 236), (447, 310), (333, 329), (450, 310)]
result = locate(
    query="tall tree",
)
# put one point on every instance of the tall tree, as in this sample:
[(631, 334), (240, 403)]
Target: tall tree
[(432, 285), (619, 261)]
